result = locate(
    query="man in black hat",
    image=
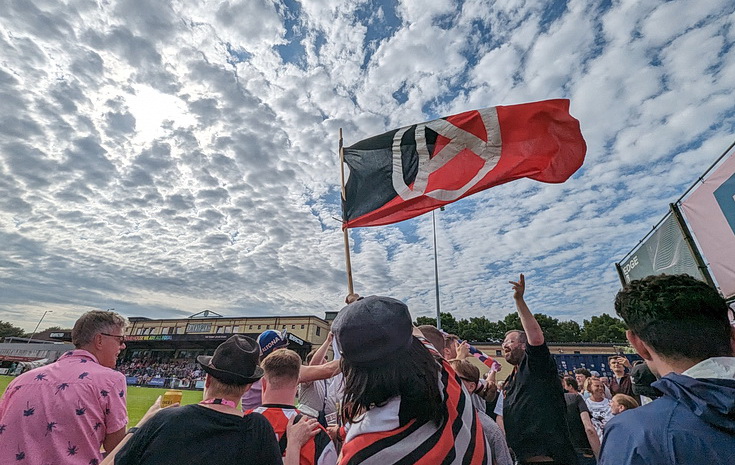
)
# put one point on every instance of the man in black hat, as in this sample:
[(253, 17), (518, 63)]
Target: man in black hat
[(214, 431)]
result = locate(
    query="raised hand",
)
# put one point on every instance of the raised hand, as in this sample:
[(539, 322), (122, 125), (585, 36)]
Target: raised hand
[(519, 287)]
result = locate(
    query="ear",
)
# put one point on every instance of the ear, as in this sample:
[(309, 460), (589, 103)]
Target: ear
[(263, 384), (98, 341), (207, 380), (641, 347)]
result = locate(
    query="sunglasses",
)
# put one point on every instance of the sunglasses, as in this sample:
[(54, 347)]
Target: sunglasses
[(120, 339)]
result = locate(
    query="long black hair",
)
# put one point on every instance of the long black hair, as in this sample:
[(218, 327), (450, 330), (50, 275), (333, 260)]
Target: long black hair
[(412, 373)]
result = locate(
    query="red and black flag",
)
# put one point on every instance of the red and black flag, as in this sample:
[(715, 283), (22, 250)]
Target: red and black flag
[(412, 170)]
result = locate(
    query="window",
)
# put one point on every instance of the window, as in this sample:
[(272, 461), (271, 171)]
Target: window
[(251, 326), (284, 327), (228, 329), (577, 352), (318, 330), (220, 329), (293, 326), (165, 330), (303, 326), (498, 352), (259, 326), (180, 330)]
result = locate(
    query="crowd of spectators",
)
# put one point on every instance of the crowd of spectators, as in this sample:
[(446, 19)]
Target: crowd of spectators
[(186, 371), (396, 393)]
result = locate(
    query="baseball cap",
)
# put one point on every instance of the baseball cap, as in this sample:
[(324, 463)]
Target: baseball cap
[(271, 340), (371, 329)]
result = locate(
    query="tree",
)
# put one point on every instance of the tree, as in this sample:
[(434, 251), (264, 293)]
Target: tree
[(569, 331), (603, 328), (449, 323), (8, 330)]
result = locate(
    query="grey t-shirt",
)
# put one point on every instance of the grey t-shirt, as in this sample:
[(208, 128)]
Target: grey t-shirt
[(495, 439)]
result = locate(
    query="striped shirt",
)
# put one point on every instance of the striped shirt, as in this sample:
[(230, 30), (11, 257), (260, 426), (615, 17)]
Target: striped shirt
[(378, 439), (319, 450)]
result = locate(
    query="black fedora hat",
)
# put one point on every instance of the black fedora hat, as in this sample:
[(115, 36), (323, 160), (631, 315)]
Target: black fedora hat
[(235, 361)]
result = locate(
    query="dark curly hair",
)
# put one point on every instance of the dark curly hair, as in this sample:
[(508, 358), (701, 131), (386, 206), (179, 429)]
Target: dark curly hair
[(412, 373), (678, 316)]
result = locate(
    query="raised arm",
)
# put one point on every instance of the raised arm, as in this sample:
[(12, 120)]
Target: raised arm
[(533, 331), (317, 372), (318, 357)]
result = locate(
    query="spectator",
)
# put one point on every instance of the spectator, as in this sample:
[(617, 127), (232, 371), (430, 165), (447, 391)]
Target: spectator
[(620, 382), (579, 424), (532, 408), (470, 376), (268, 341), (622, 402), (581, 375), (436, 338), (280, 383), (63, 412), (314, 395), (642, 379), (451, 344), (398, 400), (570, 385), (598, 405), (213, 431), (680, 327)]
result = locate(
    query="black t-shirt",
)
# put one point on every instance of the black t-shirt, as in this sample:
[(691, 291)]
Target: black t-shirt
[(575, 406), (534, 409), (194, 434)]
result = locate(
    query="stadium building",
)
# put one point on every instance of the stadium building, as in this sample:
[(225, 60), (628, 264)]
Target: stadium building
[(201, 333)]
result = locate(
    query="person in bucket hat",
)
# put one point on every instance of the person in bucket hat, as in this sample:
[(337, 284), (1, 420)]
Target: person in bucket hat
[(214, 431)]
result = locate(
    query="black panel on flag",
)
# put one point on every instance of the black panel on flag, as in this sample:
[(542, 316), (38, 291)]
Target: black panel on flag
[(370, 184)]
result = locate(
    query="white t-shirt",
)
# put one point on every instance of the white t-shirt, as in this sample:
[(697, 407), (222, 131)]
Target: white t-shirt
[(600, 412)]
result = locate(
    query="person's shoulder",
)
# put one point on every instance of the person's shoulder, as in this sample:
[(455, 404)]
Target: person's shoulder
[(541, 349)]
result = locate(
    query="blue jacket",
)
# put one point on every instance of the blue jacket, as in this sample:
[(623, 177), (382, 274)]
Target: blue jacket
[(692, 423)]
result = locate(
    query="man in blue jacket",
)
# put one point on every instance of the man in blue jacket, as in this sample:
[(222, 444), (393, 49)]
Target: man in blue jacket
[(680, 326)]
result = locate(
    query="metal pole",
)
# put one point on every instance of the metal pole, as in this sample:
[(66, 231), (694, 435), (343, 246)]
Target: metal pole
[(436, 276), (39, 324)]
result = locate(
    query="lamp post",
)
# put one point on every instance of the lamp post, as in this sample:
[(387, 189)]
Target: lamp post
[(39, 324), (436, 275)]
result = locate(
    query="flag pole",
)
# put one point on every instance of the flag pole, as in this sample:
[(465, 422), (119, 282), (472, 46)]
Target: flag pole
[(348, 263)]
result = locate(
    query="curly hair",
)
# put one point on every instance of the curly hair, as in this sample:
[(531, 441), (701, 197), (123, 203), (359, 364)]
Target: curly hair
[(412, 373), (678, 316)]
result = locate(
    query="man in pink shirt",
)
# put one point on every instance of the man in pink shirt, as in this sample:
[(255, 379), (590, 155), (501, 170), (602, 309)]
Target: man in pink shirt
[(63, 412)]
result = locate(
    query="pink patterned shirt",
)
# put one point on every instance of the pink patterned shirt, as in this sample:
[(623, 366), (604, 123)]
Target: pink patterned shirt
[(61, 413)]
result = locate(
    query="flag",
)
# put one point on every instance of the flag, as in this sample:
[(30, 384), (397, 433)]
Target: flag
[(489, 362), (409, 171)]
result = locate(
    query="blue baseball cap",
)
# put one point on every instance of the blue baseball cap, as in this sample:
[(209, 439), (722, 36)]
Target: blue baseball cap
[(271, 340)]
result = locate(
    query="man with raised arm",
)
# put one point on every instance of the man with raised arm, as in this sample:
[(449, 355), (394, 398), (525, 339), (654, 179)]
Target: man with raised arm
[(533, 408)]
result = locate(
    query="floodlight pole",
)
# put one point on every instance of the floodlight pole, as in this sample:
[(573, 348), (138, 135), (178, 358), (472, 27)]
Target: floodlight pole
[(39, 324), (436, 276)]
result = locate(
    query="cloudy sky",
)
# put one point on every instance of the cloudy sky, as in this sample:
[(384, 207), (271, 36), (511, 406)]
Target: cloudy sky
[(166, 157)]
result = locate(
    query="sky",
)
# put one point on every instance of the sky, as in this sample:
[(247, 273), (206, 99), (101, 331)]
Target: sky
[(167, 157)]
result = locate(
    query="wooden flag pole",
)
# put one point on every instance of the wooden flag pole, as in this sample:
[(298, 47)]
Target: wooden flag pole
[(348, 263)]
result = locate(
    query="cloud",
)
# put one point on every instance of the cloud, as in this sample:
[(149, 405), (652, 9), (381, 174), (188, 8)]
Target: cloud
[(164, 158)]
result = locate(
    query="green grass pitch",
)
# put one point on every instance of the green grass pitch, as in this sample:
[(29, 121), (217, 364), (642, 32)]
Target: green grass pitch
[(139, 398)]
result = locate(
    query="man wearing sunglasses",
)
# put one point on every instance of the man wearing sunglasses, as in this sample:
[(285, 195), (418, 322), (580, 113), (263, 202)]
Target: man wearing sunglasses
[(64, 412)]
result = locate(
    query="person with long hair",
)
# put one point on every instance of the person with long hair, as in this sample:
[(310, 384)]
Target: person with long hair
[(400, 404)]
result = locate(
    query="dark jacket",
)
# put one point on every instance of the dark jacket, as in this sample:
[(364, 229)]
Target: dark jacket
[(693, 423), (624, 387)]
